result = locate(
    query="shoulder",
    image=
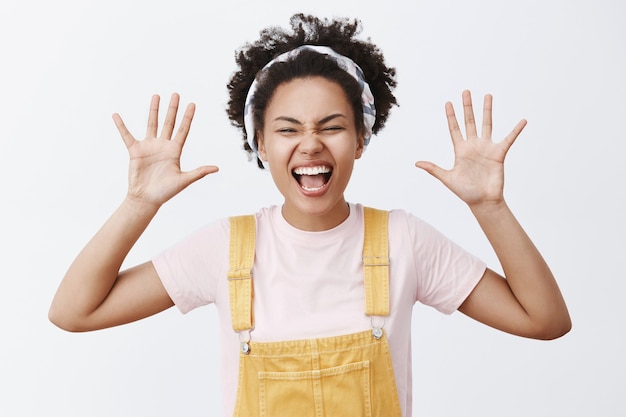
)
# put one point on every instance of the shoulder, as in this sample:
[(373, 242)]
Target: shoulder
[(264, 215), (406, 230), (402, 221)]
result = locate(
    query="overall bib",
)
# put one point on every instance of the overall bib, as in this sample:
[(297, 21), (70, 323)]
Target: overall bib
[(350, 375)]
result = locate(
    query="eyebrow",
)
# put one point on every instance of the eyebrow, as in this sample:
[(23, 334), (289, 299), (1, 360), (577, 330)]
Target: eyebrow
[(320, 122)]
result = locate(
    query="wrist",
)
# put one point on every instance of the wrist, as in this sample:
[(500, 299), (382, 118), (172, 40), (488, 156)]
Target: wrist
[(489, 208), (139, 207)]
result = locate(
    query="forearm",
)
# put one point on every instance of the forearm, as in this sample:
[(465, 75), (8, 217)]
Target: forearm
[(95, 270), (527, 274)]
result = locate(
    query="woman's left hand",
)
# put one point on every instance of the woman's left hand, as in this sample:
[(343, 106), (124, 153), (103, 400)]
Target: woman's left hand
[(478, 173)]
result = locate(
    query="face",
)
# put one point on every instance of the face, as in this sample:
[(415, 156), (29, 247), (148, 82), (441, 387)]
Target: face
[(310, 143)]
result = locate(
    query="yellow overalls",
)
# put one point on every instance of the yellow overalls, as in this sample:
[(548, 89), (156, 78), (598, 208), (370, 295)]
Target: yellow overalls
[(349, 375)]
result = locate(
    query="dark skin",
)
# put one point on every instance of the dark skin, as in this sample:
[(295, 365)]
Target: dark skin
[(528, 302), (95, 294)]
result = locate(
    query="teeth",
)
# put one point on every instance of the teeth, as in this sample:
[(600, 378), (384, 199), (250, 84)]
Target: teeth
[(312, 189), (311, 170)]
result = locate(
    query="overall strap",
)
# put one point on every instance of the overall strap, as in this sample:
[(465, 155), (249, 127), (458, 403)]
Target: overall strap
[(242, 244), (376, 262), (375, 266)]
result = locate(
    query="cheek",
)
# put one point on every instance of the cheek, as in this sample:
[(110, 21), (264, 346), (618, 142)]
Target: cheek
[(274, 150), (353, 150)]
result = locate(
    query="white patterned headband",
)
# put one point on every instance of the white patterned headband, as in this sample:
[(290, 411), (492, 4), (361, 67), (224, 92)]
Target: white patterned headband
[(345, 63)]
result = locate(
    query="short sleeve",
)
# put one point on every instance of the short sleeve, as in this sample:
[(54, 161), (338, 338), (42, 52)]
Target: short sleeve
[(191, 269), (445, 272)]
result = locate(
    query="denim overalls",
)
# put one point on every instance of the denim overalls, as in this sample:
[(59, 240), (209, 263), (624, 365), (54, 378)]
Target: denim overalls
[(350, 375)]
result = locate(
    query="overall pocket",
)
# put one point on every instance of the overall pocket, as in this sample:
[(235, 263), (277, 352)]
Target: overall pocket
[(339, 391)]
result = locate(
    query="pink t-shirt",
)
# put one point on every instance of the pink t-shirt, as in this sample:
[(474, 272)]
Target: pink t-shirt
[(310, 284)]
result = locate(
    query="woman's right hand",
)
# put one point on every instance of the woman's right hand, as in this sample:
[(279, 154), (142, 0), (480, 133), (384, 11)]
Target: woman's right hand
[(154, 174)]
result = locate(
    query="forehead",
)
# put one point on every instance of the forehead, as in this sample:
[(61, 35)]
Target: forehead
[(308, 97)]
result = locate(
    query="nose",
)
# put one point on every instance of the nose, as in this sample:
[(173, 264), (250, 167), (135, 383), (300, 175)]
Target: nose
[(310, 143)]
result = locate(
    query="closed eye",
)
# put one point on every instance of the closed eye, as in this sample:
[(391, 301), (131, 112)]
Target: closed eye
[(333, 129), (286, 130)]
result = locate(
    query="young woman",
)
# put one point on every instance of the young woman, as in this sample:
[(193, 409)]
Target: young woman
[(315, 296)]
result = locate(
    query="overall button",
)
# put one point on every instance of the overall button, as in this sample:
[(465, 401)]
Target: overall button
[(377, 332)]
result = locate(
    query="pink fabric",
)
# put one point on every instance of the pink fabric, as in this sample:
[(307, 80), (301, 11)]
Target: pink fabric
[(310, 284)]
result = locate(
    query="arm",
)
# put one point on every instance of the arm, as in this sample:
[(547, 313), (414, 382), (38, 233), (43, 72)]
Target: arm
[(94, 294), (527, 301)]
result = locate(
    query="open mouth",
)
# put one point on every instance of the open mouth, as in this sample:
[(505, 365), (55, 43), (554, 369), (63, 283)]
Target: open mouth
[(312, 178)]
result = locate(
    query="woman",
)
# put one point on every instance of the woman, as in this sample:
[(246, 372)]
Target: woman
[(315, 296)]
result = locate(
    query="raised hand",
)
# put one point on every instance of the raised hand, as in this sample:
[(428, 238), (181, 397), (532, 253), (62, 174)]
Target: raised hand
[(154, 174), (478, 173)]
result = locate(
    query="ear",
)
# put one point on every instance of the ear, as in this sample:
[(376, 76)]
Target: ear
[(260, 143), (360, 146)]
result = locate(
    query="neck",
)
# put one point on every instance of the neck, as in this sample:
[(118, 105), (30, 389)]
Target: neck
[(316, 221)]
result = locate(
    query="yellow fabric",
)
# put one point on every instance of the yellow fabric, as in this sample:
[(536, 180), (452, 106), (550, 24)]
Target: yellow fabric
[(242, 243), (376, 262), (349, 375)]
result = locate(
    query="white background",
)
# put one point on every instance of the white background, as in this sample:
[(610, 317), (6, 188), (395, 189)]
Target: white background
[(66, 66)]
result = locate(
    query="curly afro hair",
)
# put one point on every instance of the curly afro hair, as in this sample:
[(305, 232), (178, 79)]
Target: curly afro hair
[(340, 35)]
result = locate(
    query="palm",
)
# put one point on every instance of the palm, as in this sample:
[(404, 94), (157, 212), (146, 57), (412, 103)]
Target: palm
[(154, 173), (477, 176)]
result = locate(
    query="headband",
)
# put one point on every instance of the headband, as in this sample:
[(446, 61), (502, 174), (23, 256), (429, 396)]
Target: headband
[(345, 63)]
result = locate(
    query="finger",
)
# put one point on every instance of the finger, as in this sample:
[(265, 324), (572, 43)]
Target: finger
[(189, 177), (510, 138), (170, 117), (128, 139), (468, 113), (433, 169), (153, 117), (487, 118), (185, 124), (453, 124), (508, 141)]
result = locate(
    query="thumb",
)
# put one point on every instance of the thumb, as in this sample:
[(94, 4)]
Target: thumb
[(190, 177), (433, 169)]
